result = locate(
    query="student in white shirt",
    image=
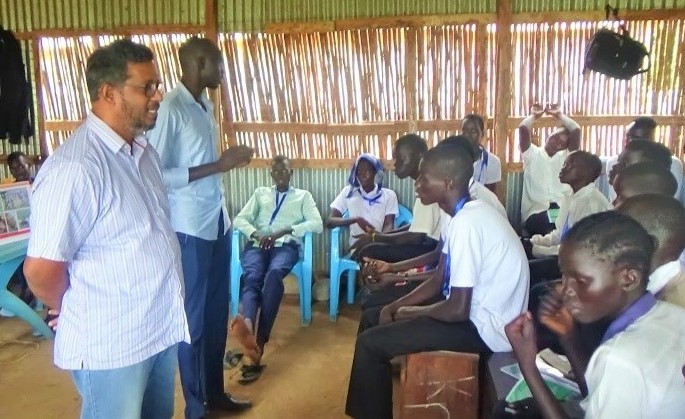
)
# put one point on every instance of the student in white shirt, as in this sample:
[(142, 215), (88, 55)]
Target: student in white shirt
[(643, 178), (580, 171), (485, 286), (638, 151), (664, 218), (379, 273), (637, 371), (370, 206), (487, 169), (541, 185), (643, 128), (275, 219)]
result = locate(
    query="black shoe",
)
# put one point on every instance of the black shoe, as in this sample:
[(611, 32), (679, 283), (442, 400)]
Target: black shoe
[(226, 403)]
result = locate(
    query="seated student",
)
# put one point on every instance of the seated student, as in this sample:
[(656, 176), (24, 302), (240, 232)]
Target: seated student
[(370, 207), (275, 219), (643, 129), (664, 218), (21, 169), (485, 285), (640, 151), (542, 188), (643, 178), (637, 371), (580, 171), (487, 170), (380, 276)]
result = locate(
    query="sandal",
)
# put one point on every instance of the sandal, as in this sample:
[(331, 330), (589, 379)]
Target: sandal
[(250, 373), (232, 358)]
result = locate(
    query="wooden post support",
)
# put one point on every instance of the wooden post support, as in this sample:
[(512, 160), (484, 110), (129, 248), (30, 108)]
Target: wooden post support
[(503, 92)]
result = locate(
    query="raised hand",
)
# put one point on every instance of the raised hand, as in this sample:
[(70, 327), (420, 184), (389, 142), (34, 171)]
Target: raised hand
[(235, 156), (554, 315), (537, 110), (521, 335), (553, 109)]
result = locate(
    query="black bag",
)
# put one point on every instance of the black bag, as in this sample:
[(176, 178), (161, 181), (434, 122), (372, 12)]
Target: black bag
[(615, 54)]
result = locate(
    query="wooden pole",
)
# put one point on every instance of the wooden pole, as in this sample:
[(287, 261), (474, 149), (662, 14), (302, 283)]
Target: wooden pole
[(503, 92)]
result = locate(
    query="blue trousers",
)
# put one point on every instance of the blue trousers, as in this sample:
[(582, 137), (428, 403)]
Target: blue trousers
[(205, 272), (142, 390), (263, 273)]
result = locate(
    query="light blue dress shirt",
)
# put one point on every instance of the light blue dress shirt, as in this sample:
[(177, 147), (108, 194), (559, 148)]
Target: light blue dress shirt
[(185, 136)]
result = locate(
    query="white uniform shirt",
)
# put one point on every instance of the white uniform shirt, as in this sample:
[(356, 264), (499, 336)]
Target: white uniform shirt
[(428, 219), (587, 201), (662, 275), (491, 172), (676, 169), (485, 254), (358, 205), (637, 373), (541, 183), (100, 205), (480, 192)]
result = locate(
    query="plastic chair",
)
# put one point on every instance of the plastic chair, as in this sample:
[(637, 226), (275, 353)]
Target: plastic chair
[(11, 256), (340, 265), (302, 269)]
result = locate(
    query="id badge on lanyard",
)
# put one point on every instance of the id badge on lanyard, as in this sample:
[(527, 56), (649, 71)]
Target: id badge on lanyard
[(279, 204)]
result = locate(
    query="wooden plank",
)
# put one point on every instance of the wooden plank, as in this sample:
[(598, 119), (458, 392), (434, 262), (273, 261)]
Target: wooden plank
[(62, 125), (596, 15), (300, 27), (503, 92), (39, 106), (121, 30)]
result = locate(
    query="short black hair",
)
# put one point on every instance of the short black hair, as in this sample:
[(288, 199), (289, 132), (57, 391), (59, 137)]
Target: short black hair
[(195, 47), (14, 156), (414, 142), (644, 122), (616, 238), (450, 161), (280, 158), (590, 161), (479, 120), (662, 216), (652, 151), (647, 177), (109, 64), (460, 141)]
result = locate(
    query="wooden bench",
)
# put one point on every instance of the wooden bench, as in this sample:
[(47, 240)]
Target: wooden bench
[(439, 384)]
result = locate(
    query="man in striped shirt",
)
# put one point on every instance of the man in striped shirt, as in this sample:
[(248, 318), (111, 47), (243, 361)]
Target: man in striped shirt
[(102, 251)]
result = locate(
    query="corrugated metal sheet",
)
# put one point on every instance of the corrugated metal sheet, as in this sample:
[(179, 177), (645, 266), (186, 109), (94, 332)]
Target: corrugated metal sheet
[(513, 200), (251, 15), (27, 15), (324, 184)]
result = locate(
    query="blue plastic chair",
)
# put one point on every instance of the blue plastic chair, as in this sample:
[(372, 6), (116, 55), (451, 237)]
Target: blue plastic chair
[(302, 269), (11, 256), (340, 265)]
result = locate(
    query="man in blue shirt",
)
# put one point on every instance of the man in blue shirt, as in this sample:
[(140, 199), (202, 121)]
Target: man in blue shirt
[(275, 219), (185, 137)]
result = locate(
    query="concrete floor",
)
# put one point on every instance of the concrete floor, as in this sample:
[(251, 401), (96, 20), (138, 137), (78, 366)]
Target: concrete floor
[(306, 376)]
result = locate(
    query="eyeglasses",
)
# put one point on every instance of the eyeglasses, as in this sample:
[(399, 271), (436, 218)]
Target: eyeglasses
[(150, 88)]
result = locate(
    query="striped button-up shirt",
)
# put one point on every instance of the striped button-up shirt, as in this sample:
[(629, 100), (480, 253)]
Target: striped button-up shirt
[(100, 205)]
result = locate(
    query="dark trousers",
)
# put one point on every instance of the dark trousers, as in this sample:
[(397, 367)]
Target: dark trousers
[(263, 273), (539, 224), (370, 391), (200, 363), (393, 253)]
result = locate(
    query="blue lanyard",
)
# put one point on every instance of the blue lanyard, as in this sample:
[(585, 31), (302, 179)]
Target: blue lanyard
[(373, 200), (566, 226), (446, 276), (279, 204), (483, 164)]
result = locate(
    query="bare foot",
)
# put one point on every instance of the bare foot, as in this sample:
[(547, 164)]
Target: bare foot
[(241, 332)]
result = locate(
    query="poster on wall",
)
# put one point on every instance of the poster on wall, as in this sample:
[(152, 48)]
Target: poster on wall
[(15, 208)]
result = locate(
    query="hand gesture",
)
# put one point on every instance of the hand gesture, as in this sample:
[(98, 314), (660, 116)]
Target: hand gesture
[(553, 109), (362, 240), (379, 282), (375, 267), (53, 318), (554, 315), (235, 156), (521, 335), (537, 110), (364, 225)]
